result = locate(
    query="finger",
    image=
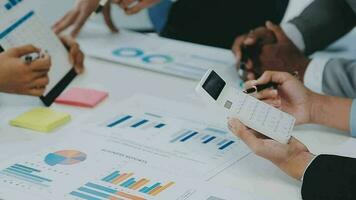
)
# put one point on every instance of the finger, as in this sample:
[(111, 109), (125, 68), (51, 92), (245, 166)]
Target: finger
[(79, 23), (36, 91), (23, 50), (42, 64), (237, 47), (108, 19), (275, 77), (266, 94), (138, 7), (249, 64), (128, 3), (40, 74), (65, 22), (277, 103), (40, 82), (245, 135), (79, 62), (277, 30), (251, 76)]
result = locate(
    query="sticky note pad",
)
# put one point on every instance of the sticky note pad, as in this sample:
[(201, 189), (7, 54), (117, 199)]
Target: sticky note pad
[(41, 119), (82, 97)]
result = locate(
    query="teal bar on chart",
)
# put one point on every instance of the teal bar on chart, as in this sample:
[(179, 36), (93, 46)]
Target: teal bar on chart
[(119, 121), (111, 176), (128, 183), (149, 189), (83, 196), (180, 136), (139, 123)]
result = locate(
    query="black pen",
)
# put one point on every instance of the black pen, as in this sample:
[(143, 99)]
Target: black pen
[(259, 88)]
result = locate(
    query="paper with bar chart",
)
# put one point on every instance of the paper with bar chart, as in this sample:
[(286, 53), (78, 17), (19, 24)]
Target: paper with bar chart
[(188, 148), (158, 54), (92, 170)]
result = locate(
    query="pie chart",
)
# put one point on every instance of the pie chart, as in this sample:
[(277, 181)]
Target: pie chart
[(65, 157)]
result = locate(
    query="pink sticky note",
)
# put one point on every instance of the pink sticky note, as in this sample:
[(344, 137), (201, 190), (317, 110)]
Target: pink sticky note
[(82, 97)]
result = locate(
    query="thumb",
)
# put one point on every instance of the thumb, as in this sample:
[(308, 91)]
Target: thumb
[(24, 50), (108, 18), (277, 30)]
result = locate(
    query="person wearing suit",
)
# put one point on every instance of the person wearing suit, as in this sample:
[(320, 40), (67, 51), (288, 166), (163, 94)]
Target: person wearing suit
[(324, 177), (209, 22), (286, 47)]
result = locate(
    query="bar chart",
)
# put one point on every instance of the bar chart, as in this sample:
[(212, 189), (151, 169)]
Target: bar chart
[(129, 121), (185, 136), (142, 185), (26, 174), (11, 4), (121, 185)]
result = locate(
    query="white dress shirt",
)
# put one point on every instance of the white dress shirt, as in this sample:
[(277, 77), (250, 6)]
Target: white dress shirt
[(313, 77)]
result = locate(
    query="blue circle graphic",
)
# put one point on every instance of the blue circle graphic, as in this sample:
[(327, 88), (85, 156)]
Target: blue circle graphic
[(157, 59), (128, 52)]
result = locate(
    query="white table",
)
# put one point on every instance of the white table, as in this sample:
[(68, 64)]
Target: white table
[(252, 174)]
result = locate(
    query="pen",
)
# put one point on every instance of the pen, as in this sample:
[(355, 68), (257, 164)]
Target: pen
[(28, 59), (100, 8), (259, 88)]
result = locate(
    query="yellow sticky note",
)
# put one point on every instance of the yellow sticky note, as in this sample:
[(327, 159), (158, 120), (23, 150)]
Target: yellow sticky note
[(41, 119)]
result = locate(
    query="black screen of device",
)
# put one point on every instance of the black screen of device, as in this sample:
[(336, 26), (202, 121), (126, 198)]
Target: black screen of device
[(214, 85)]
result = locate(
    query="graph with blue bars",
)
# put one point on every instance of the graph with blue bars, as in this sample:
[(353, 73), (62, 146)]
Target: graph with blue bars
[(130, 121), (11, 4), (202, 137), (27, 174)]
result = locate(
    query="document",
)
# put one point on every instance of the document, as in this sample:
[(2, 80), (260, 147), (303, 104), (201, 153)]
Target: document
[(20, 25), (91, 170), (158, 54), (188, 147)]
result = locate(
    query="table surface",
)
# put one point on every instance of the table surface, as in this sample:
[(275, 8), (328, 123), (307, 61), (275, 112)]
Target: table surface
[(252, 174)]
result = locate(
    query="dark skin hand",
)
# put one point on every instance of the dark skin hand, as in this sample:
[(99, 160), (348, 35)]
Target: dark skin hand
[(268, 48)]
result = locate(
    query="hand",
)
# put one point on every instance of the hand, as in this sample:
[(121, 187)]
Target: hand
[(291, 95), (281, 55), (18, 77), (134, 6), (293, 158), (76, 56), (80, 14), (247, 47)]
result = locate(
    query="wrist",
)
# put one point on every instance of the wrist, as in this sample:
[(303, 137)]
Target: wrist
[(297, 164), (316, 108)]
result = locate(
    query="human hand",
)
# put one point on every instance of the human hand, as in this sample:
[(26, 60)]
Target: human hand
[(76, 56), (18, 77), (134, 6), (80, 14), (280, 55), (290, 96), (293, 158), (247, 48)]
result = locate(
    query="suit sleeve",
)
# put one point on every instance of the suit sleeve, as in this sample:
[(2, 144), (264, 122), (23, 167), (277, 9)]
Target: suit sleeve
[(323, 22), (339, 78), (330, 177)]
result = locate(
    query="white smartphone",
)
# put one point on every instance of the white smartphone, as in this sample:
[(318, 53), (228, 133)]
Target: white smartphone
[(254, 113)]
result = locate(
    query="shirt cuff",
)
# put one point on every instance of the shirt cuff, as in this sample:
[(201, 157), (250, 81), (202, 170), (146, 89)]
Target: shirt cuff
[(313, 77), (353, 119), (294, 35)]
